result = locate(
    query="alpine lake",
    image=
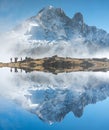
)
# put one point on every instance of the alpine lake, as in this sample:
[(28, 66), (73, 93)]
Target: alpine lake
[(55, 97)]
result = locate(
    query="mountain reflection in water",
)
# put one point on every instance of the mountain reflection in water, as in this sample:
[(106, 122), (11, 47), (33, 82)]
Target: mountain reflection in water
[(51, 97)]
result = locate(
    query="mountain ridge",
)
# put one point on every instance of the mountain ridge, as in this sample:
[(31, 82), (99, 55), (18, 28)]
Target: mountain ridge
[(54, 20), (52, 32)]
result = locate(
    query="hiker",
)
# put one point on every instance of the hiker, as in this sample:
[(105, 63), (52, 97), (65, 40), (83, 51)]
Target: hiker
[(16, 59), (11, 60)]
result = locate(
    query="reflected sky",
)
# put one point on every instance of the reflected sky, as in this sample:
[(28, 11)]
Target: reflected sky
[(45, 101)]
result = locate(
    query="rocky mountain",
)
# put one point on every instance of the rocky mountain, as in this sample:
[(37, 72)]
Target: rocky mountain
[(52, 32), (52, 24)]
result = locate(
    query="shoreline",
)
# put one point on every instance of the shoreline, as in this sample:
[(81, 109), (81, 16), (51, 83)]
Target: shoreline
[(57, 64)]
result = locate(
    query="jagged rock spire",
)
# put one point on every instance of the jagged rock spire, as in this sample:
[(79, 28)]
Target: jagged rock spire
[(78, 18)]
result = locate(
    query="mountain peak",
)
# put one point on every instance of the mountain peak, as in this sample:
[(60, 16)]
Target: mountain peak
[(51, 10), (52, 24), (78, 17), (49, 7)]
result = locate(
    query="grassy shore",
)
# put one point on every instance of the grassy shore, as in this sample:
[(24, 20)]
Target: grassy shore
[(57, 64)]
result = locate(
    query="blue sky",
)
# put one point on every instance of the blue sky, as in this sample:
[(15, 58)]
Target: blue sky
[(12, 12)]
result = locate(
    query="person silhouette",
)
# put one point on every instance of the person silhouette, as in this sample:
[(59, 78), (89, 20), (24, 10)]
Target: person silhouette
[(11, 60)]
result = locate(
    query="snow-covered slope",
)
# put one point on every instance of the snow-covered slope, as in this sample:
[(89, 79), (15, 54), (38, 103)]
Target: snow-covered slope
[(52, 24), (52, 32)]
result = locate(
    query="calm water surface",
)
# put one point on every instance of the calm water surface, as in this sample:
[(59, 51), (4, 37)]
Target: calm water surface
[(37, 100)]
